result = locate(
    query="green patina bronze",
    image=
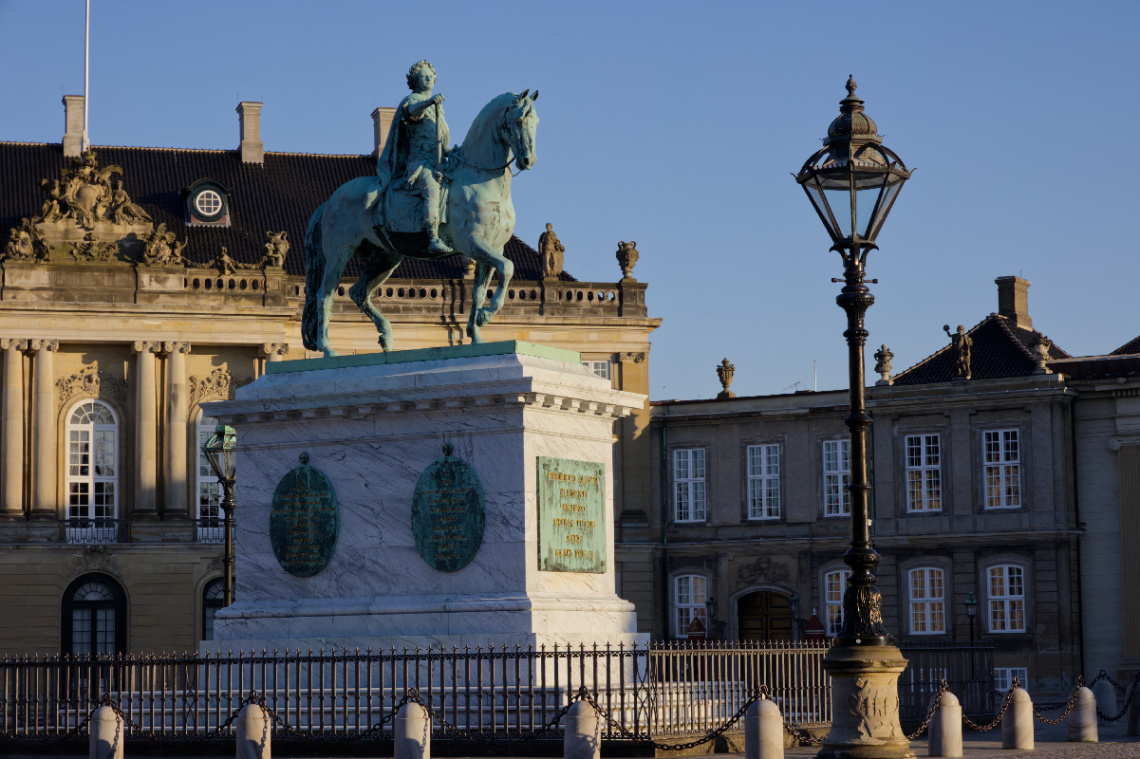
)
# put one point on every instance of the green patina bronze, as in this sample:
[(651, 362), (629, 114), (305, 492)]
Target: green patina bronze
[(448, 513), (304, 520), (571, 516)]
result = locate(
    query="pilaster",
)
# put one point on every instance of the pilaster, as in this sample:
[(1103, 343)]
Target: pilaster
[(176, 503), (12, 440), (44, 454), (146, 430)]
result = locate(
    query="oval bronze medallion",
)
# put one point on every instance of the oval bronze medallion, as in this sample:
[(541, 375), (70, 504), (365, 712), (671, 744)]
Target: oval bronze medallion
[(448, 513), (304, 520)]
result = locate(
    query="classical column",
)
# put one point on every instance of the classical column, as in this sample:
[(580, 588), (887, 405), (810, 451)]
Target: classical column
[(176, 503), (44, 454), (270, 352), (146, 429), (12, 499)]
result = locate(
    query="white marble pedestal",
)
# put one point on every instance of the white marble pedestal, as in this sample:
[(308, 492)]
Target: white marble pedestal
[(372, 424)]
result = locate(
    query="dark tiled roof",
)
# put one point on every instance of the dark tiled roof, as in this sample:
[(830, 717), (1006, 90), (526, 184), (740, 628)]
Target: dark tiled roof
[(1000, 349), (1132, 346), (279, 195)]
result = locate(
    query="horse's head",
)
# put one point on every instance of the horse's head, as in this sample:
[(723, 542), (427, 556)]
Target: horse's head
[(520, 122)]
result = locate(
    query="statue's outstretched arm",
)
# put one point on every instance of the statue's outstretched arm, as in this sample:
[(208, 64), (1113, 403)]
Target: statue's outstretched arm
[(416, 110)]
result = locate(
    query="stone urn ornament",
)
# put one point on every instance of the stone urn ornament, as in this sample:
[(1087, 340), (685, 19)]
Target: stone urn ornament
[(627, 256), (724, 371)]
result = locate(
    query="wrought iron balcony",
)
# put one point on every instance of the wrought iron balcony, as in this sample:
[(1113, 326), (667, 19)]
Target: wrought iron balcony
[(210, 530), (96, 530)]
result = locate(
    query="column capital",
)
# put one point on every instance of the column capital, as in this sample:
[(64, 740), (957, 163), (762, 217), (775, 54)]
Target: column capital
[(12, 343), (43, 344), (635, 357), (270, 350), (176, 347), (146, 346)]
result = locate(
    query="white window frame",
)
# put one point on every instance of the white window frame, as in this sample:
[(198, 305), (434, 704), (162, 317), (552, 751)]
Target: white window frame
[(90, 477), (690, 591), (762, 465), (831, 593), (689, 487), (922, 455), (600, 367), (1001, 454), (1003, 677), (1006, 598), (927, 588), (207, 487), (836, 477)]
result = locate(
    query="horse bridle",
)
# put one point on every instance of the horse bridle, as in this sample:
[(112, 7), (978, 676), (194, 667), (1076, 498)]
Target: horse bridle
[(459, 155)]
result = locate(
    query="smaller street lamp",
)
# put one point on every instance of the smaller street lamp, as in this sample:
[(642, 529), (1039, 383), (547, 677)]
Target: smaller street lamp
[(219, 450), (971, 612)]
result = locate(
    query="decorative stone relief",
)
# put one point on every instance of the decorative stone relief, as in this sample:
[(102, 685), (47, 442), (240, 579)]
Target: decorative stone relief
[(275, 250), (162, 249), (85, 194), (92, 250), (92, 382), (218, 384), (764, 569), (95, 558), (635, 358), (226, 265), (627, 256), (26, 244)]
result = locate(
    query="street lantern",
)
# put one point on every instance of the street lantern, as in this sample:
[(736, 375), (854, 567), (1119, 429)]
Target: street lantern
[(971, 612), (852, 183), (219, 450)]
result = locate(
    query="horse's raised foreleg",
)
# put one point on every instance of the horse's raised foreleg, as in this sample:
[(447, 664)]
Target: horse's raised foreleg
[(478, 298), (505, 269), (377, 271)]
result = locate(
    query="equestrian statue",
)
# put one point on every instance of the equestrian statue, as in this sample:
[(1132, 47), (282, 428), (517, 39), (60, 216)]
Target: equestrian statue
[(426, 202)]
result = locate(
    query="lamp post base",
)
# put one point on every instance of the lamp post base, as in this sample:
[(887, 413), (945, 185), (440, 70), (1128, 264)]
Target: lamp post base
[(865, 704)]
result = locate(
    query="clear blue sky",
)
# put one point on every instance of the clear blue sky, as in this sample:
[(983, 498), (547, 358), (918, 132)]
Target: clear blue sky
[(678, 125)]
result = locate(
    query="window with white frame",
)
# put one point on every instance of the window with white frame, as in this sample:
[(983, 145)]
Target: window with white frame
[(92, 470), (927, 602), (689, 485), (688, 602), (1007, 598), (923, 473), (600, 368), (763, 481), (834, 583), (209, 489), (1003, 677), (1002, 451), (836, 478)]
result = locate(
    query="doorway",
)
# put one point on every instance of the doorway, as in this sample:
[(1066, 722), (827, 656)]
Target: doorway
[(765, 615)]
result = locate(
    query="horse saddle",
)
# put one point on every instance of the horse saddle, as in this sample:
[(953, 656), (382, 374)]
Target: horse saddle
[(400, 208)]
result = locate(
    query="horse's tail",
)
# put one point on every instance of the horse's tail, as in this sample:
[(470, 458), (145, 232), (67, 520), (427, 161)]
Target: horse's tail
[(314, 273)]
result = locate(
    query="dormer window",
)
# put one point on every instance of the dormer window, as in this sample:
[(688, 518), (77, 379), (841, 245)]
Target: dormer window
[(207, 203)]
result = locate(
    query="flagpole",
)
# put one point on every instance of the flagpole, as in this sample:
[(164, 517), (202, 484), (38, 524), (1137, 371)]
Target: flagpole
[(86, 59)]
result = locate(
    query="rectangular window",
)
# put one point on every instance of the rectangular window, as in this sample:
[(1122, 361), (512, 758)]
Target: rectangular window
[(836, 478), (1002, 450), (689, 602), (689, 485), (210, 526), (599, 368), (927, 605), (763, 481), (1003, 677), (923, 473), (1007, 599), (834, 583)]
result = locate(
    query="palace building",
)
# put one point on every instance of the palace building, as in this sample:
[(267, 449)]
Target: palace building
[(141, 282)]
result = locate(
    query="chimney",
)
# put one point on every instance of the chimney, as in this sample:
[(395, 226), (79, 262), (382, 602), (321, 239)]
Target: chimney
[(1013, 300), (381, 124), (73, 108), (249, 122)]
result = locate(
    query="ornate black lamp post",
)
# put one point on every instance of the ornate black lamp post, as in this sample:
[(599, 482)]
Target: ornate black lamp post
[(971, 612), (219, 449), (853, 182)]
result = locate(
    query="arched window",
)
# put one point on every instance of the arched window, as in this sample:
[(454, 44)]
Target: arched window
[(94, 616), (927, 604), (92, 474), (211, 602), (834, 584), (208, 490), (689, 595)]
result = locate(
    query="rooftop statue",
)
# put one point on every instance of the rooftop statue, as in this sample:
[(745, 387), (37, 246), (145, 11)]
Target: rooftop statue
[(421, 206), (960, 344)]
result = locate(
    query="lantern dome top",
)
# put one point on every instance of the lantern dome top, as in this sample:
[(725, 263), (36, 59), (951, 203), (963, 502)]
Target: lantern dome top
[(852, 124)]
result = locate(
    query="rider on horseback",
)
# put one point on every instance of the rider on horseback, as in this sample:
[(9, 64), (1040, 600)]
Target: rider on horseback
[(416, 147)]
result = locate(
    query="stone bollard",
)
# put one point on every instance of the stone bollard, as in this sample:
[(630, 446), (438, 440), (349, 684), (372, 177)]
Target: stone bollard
[(763, 731), (254, 733), (412, 733), (1105, 696), (945, 737), (106, 734), (1017, 724), (1082, 718), (583, 734)]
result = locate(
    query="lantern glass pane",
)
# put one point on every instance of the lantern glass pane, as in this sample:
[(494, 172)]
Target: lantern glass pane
[(889, 194), (816, 195), (840, 200)]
